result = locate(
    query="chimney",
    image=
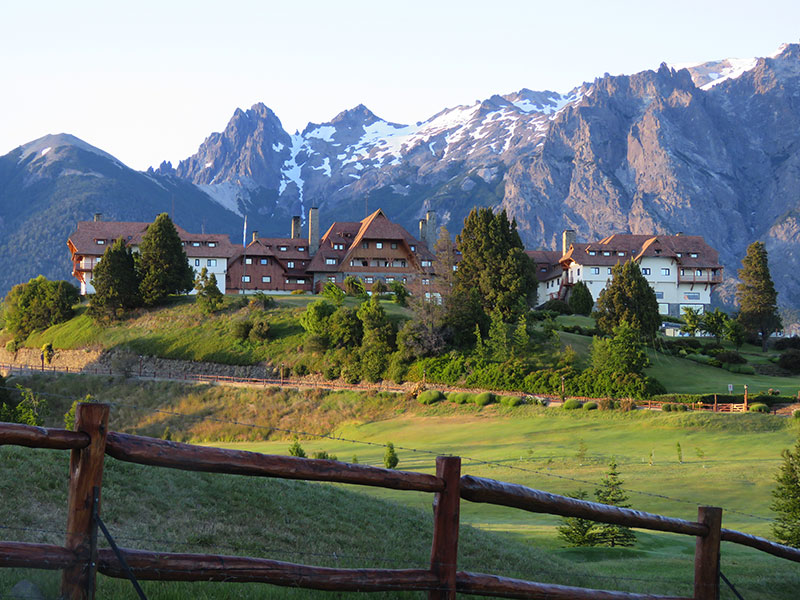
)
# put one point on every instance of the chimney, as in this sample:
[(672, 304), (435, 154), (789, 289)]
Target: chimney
[(567, 239), (423, 231), (98, 217), (679, 234), (255, 236), (430, 227), (295, 227), (313, 230)]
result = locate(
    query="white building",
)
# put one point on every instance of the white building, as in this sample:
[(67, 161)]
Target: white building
[(681, 269), (91, 238)]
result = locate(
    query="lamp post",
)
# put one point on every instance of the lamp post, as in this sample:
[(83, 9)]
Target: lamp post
[(281, 374)]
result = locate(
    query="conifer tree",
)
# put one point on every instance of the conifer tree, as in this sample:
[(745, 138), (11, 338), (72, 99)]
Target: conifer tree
[(163, 266), (786, 501), (756, 295), (628, 298), (610, 492), (580, 299), (577, 531), (115, 281), (390, 458), (209, 298)]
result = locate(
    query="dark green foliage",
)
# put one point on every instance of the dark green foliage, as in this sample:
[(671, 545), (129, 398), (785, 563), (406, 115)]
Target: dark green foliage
[(38, 304), (241, 329), (715, 323), (379, 287), (756, 295), (610, 492), (260, 300), (494, 272), (315, 318), (430, 397), (786, 503), (790, 360), (667, 407), (557, 306), (323, 455), (628, 298), (259, 332), (333, 293), (580, 299), (692, 320), (735, 332), (296, 449), (623, 353), (417, 339), (787, 342), (390, 458), (116, 282), (376, 346), (571, 404), (332, 372), (590, 406), (353, 286), (400, 292), (345, 329), (30, 409), (731, 357), (511, 401), (398, 368), (163, 266), (48, 352), (758, 407), (576, 531), (484, 398), (209, 298), (300, 369)]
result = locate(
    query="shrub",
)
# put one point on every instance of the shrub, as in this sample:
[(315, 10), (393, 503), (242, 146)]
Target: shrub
[(390, 459), (296, 449), (796, 413), (557, 306), (461, 398), (511, 400), (704, 359), (300, 369), (259, 331), (730, 357), (571, 404), (743, 369), (758, 407), (323, 455), (626, 404), (790, 360), (332, 372), (680, 407), (297, 292), (667, 407), (484, 398), (430, 397), (788, 342), (262, 301), (241, 329), (13, 345), (314, 342), (590, 406)]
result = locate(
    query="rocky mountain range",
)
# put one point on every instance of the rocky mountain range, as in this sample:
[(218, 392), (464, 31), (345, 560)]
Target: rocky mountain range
[(710, 149)]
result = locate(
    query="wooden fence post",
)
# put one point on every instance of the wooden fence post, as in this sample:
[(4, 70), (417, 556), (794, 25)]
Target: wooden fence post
[(706, 555), (85, 473), (446, 507)]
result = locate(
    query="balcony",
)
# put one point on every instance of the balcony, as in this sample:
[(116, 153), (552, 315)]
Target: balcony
[(706, 278)]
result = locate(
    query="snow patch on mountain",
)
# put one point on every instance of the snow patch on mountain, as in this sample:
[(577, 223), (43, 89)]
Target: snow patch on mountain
[(44, 145), (323, 132), (706, 75), (292, 172), (227, 194)]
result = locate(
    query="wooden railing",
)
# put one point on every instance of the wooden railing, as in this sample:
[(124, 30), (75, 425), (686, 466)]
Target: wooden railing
[(80, 559)]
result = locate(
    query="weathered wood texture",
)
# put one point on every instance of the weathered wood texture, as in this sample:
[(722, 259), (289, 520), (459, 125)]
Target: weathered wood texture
[(85, 473), (759, 543), (160, 453), (446, 505), (14, 434), (706, 555), (202, 567), (504, 587), (35, 556), (478, 489)]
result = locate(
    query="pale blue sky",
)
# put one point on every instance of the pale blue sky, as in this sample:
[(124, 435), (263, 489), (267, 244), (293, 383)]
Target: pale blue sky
[(149, 80)]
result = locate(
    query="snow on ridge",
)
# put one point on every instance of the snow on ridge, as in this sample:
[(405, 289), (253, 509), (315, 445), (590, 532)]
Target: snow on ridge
[(227, 194), (325, 167), (323, 132), (734, 68), (46, 150), (291, 170)]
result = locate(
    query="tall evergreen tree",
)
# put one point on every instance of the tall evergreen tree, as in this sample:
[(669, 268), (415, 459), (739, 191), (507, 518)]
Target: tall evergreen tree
[(115, 281), (577, 531), (628, 298), (786, 501), (580, 299), (38, 304), (494, 272), (163, 266), (756, 295), (209, 298), (610, 492)]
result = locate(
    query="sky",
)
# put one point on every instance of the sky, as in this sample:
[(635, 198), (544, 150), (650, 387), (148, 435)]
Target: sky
[(148, 81)]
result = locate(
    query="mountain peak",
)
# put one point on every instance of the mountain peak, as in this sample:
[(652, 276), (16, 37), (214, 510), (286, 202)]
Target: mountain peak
[(358, 114), (49, 142)]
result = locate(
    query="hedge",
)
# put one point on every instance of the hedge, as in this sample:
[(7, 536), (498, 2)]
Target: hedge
[(571, 404), (430, 397)]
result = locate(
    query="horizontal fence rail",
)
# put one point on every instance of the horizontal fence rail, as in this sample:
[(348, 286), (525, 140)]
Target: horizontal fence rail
[(92, 441)]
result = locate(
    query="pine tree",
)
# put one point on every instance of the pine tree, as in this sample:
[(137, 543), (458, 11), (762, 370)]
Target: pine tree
[(580, 299), (163, 266), (756, 295), (115, 281), (715, 323), (577, 531), (390, 459), (209, 298), (786, 501), (628, 298), (610, 492)]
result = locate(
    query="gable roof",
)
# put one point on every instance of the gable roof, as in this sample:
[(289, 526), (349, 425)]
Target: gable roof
[(548, 265), (621, 247)]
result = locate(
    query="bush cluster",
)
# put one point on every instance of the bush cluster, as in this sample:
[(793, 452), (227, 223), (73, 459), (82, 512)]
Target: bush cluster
[(430, 397), (786, 343), (758, 407), (790, 360)]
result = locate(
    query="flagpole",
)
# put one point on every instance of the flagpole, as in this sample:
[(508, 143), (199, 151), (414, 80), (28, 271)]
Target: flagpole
[(244, 255)]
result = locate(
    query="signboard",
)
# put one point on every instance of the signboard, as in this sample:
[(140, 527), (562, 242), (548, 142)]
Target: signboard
[(730, 388)]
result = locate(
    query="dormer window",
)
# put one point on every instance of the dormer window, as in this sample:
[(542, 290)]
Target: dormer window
[(290, 264), (620, 254), (693, 254), (301, 248), (100, 242), (606, 253), (282, 248), (365, 245), (658, 251), (212, 244), (379, 245), (413, 248), (394, 245), (196, 244), (592, 253), (330, 261), (679, 254), (338, 246), (426, 263)]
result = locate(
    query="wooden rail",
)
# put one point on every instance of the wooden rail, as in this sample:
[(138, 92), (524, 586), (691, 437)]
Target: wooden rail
[(92, 442)]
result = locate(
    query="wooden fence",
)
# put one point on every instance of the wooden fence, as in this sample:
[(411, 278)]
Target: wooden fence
[(80, 559)]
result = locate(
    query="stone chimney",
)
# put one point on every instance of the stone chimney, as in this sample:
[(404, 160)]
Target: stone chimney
[(430, 228), (567, 239), (295, 227), (313, 230), (423, 231), (255, 236), (98, 217)]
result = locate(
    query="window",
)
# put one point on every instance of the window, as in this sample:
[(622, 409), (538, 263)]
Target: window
[(698, 272), (389, 279), (606, 253), (579, 272), (592, 253), (595, 270), (683, 272), (658, 251), (196, 262), (543, 269), (367, 279), (665, 271), (394, 245), (301, 281), (365, 245), (426, 282), (620, 254), (609, 270), (266, 279), (692, 296), (248, 261), (264, 261), (211, 262), (413, 248), (659, 295), (425, 263), (196, 244), (330, 261), (645, 270), (332, 278), (212, 244), (301, 248), (100, 242), (379, 245), (338, 246), (245, 278), (282, 248), (290, 264), (679, 254), (693, 254), (405, 280)]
